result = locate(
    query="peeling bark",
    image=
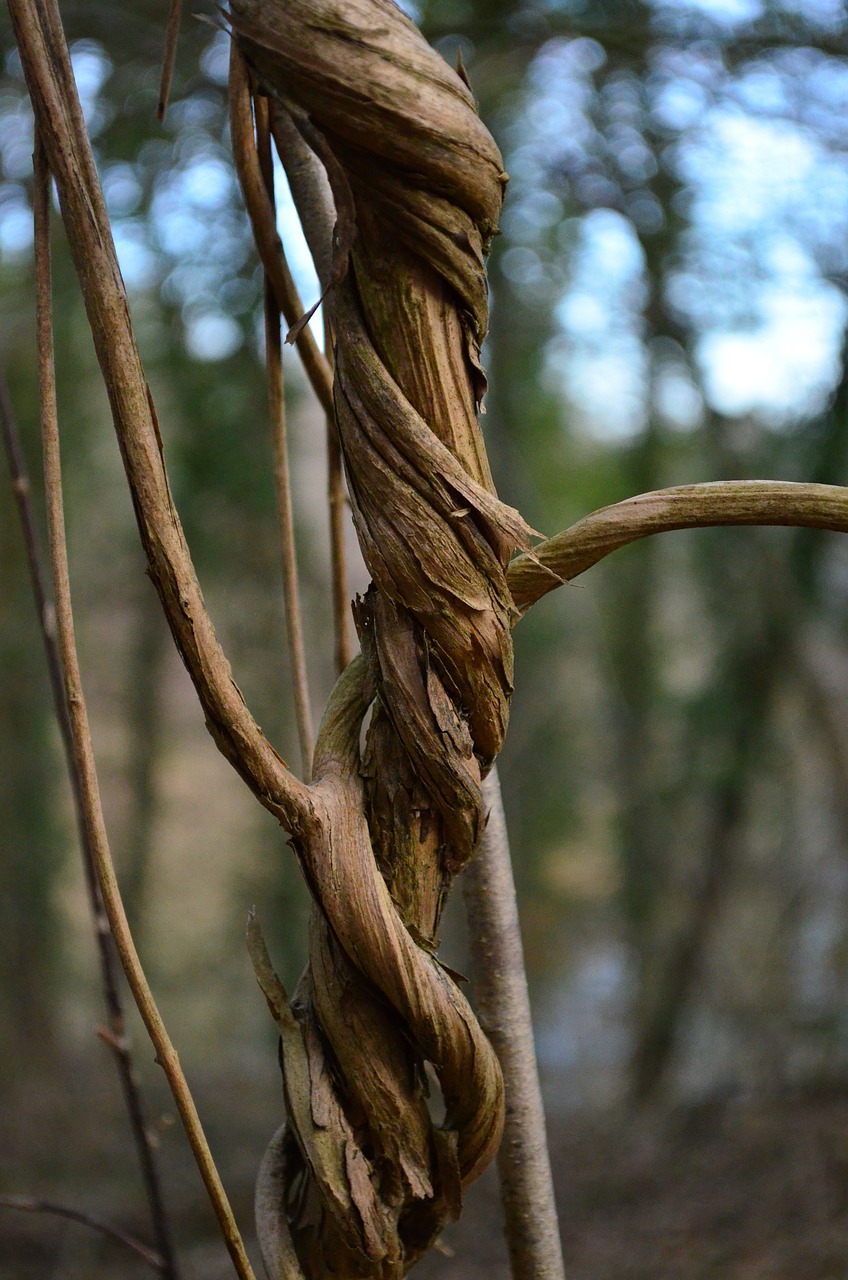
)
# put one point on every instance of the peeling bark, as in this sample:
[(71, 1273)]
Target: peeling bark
[(417, 184)]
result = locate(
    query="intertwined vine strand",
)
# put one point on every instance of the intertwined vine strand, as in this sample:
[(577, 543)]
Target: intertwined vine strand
[(418, 184)]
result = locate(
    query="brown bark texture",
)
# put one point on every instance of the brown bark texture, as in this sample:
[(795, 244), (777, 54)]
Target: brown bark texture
[(418, 184)]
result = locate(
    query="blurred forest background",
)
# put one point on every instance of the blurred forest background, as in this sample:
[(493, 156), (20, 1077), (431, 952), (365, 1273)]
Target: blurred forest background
[(670, 305)]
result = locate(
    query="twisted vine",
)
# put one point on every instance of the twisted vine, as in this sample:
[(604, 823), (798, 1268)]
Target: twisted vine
[(418, 184)]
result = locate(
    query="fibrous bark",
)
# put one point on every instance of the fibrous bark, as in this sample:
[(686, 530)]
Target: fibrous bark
[(418, 184)]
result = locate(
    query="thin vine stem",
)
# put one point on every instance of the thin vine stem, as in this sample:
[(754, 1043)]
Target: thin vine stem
[(282, 471), (166, 1054), (313, 202), (117, 1038), (169, 57), (264, 225), (689, 506), (336, 503), (30, 1204)]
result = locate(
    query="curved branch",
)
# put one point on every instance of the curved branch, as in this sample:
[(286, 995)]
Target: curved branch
[(30, 1204), (47, 67), (689, 506)]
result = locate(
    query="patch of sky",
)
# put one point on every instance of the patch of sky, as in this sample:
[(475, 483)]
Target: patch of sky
[(827, 84), (135, 258), (599, 356), (764, 203), (679, 104), (553, 127), (746, 170), (15, 224), (92, 69), (215, 59), (786, 366), (16, 139), (208, 184), (728, 13), (189, 118), (762, 89), (121, 189), (677, 399), (193, 207), (212, 336), (828, 14), (12, 64), (297, 251)]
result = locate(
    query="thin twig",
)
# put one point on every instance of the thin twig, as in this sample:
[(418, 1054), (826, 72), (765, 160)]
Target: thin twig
[(118, 1040), (338, 556), (503, 1006), (166, 1055), (264, 226), (28, 1204), (313, 201), (690, 506), (282, 475), (169, 57), (45, 609)]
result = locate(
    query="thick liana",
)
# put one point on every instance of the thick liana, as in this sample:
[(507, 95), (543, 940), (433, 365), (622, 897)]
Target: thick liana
[(418, 184)]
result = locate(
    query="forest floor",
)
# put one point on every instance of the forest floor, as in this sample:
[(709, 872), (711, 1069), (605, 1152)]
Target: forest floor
[(734, 1191), (742, 1190)]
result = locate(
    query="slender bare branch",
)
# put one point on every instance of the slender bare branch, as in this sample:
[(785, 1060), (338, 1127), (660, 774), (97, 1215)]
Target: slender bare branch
[(314, 204), (338, 556), (109, 971), (46, 63), (264, 226), (30, 1204), (166, 1054), (169, 57), (690, 506), (503, 1005), (282, 475)]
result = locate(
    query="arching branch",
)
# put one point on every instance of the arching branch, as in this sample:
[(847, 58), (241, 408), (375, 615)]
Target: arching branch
[(690, 506)]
